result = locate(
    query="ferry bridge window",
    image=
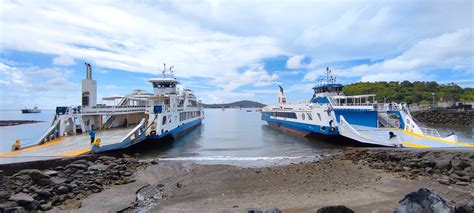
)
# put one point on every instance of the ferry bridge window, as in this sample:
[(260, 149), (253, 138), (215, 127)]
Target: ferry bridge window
[(285, 114), (302, 115), (310, 117)]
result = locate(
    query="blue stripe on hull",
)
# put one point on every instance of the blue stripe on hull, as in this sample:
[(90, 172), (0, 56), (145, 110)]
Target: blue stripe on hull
[(299, 127), (174, 133)]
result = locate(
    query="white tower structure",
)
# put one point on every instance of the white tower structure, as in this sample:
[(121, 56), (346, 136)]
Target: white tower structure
[(89, 89)]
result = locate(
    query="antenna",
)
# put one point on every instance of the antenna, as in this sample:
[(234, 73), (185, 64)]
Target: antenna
[(164, 69)]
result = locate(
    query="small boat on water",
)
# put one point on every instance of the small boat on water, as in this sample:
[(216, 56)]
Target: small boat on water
[(34, 110), (359, 118)]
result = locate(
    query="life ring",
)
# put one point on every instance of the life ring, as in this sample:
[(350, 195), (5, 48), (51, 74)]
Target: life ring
[(397, 123)]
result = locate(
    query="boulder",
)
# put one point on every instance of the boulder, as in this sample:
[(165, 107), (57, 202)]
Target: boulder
[(77, 166), (98, 167), (34, 174), (25, 201), (254, 210), (47, 206), (423, 200), (95, 188), (106, 158), (335, 209), (51, 173), (273, 210), (84, 162), (70, 204), (7, 205), (45, 194), (459, 164), (62, 190), (465, 208), (443, 164)]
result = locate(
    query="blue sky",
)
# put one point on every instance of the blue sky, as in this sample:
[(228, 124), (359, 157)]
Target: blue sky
[(227, 50)]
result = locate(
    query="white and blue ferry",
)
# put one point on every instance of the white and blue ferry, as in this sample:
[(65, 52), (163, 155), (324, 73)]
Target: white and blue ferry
[(359, 118), (175, 111)]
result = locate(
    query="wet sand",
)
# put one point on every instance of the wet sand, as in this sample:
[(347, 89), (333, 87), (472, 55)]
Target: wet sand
[(299, 187)]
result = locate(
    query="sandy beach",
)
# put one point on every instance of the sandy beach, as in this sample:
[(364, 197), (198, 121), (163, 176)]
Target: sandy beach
[(298, 187)]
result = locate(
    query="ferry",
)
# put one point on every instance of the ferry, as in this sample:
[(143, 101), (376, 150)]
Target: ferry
[(358, 118), (119, 122), (34, 110)]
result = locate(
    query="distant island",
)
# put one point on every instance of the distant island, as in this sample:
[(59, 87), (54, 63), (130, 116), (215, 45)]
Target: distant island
[(238, 104), (16, 122)]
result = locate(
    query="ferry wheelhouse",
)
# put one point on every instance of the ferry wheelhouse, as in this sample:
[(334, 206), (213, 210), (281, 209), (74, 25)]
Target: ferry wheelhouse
[(360, 118)]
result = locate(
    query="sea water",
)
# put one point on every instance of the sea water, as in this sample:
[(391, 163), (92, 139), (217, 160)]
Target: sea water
[(232, 134)]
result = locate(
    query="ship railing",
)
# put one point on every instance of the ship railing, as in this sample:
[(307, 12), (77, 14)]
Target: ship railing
[(430, 132)]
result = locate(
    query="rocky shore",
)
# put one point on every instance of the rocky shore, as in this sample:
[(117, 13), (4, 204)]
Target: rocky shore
[(353, 180), (446, 167), (16, 122), (446, 117), (63, 186)]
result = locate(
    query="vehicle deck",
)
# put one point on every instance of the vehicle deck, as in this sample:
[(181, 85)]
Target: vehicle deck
[(67, 146)]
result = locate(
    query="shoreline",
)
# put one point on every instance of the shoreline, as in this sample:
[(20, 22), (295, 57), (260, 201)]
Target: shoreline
[(363, 179)]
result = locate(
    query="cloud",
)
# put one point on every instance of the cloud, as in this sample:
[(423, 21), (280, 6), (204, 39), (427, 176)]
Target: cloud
[(28, 86), (57, 84), (63, 60), (294, 62), (446, 51), (255, 75), (139, 38)]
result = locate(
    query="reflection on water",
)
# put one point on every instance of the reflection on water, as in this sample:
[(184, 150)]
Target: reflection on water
[(237, 133)]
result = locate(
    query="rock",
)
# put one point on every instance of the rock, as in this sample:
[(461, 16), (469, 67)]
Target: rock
[(17, 209), (462, 183), (422, 200), (44, 182), (154, 162), (2, 175), (77, 166), (458, 164), (98, 167), (95, 188), (334, 209), (45, 194), (51, 173), (273, 210), (70, 204), (82, 161), (62, 190), (59, 168), (47, 206), (443, 164), (465, 208), (106, 158), (25, 201), (34, 174), (253, 210), (7, 205)]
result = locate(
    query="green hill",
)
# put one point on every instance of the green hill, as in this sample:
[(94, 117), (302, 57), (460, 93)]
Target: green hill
[(242, 104), (416, 92)]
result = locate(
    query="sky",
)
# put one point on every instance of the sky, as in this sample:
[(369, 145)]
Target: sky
[(227, 50)]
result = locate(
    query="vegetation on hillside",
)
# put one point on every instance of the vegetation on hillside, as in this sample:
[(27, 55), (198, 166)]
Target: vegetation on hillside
[(416, 92), (238, 104)]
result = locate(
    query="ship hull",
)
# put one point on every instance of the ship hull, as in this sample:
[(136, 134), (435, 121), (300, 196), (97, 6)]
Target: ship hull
[(297, 128), (177, 132)]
